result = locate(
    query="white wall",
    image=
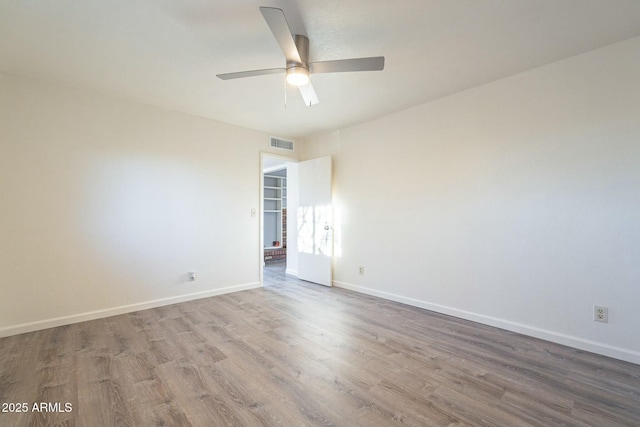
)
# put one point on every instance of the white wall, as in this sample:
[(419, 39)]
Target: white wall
[(516, 204), (105, 205)]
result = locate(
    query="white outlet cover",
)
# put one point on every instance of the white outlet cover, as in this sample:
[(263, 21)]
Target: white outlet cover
[(601, 314)]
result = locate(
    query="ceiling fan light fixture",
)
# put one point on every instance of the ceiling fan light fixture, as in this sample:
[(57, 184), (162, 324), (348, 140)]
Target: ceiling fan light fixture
[(297, 76)]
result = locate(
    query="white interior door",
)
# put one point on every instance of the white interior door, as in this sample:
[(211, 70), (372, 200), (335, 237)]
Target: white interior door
[(315, 221)]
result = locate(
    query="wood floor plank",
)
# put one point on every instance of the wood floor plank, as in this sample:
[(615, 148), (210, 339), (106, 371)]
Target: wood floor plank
[(293, 353)]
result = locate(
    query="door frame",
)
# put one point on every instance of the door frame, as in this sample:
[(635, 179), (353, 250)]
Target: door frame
[(289, 159)]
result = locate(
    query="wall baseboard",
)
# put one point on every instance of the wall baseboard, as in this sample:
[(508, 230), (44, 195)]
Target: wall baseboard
[(291, 272), (113, 311), (568, 340)]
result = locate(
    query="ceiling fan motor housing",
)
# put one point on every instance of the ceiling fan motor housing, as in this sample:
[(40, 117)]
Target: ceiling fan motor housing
[(302, 43)]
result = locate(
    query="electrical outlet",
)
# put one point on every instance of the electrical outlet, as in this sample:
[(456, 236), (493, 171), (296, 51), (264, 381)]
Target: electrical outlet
[(601, 314), (361, 271), (192, 276)]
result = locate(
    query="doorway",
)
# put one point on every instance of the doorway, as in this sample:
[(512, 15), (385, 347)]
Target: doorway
[(279, 193), (297, 218)]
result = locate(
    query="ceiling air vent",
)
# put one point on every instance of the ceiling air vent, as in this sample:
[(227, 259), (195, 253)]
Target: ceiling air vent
[(280, 143)]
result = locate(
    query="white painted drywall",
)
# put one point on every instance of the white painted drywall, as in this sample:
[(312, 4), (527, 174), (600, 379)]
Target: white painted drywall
[(516, 203), (106, 205)]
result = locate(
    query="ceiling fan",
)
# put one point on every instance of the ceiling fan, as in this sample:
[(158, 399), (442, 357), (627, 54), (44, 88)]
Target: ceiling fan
[(296, 51)]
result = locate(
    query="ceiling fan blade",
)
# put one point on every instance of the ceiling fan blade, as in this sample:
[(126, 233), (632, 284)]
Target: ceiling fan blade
[(278, 24), (375, 63), (242, 74), (309, 95)]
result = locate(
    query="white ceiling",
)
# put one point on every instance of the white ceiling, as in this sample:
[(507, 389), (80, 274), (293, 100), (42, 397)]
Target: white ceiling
[(167, 52)]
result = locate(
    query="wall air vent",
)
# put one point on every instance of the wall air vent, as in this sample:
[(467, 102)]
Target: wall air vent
[(280, 143)]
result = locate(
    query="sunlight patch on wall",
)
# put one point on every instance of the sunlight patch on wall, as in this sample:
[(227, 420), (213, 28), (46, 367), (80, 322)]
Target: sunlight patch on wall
[(337, 232)]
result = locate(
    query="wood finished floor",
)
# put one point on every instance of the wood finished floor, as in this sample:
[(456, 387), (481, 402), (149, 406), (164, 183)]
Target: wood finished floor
[(295, 354)]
